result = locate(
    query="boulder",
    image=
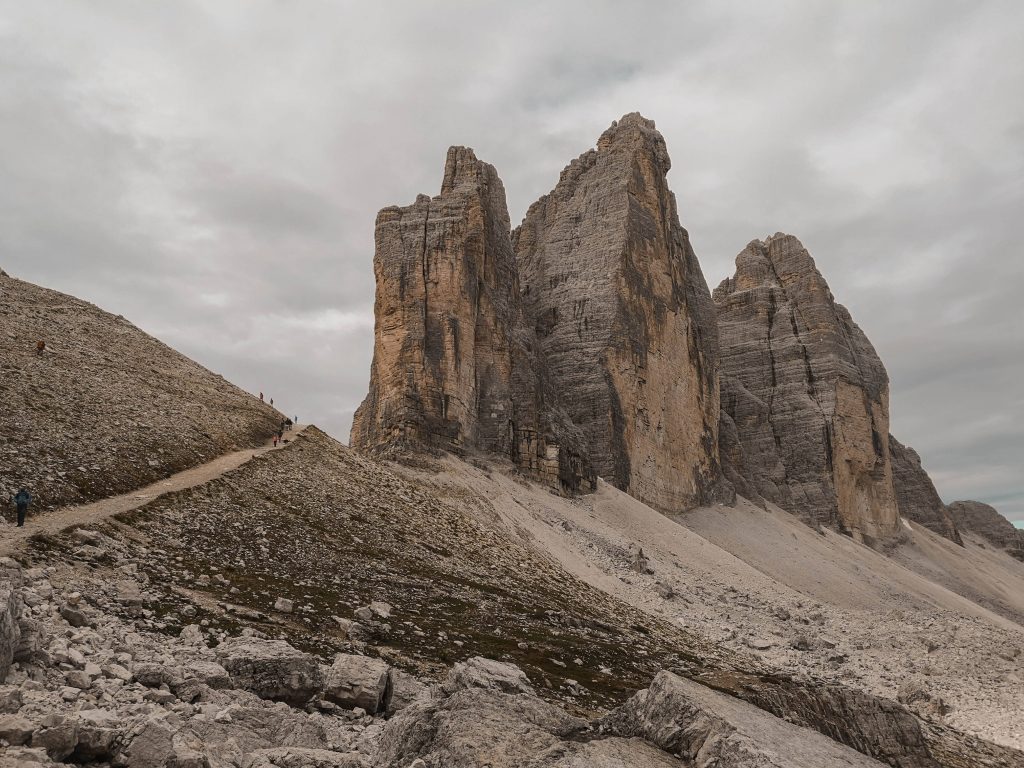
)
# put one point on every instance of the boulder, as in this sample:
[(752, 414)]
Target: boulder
[(150, 746), (709, 729), (359, 681), (272, 669), (10, 631), (16, 730), (58, 736), (476, 727), (478, 672), (299, 757), (206, 672), (10, 699), (405, 689)]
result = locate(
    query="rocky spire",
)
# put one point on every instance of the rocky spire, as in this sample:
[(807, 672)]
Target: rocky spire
[(453, 366), (807, 393), (624, 317), (916, 496)]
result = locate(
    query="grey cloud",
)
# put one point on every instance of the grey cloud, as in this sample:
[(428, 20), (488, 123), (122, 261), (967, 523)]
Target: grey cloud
[(213, 172)]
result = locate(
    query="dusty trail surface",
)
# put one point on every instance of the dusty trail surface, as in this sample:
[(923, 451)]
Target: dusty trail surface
[(12, 537)]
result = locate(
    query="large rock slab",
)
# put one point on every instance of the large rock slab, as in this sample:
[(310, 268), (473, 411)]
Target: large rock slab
[(807, 393), (272, 669), (476, 726), (709, 729), (453, 364), (490, 674), (10, 632), (873, 726), (359, 681), (613, 290), (916, 496)]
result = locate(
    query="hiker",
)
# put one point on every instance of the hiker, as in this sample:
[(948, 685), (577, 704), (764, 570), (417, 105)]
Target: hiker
[(261, 397), (276, 438), (40, 347), (21, 500), (288, 424), (271, 402)]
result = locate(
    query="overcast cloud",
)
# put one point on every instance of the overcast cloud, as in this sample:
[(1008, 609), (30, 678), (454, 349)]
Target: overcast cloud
[(212, 170)]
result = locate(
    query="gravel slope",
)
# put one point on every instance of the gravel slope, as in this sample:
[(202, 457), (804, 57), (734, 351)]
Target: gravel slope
[(107, 408), (811, 605)]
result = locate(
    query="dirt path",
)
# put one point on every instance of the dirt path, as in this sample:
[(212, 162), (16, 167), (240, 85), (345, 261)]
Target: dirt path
[(12, 537)]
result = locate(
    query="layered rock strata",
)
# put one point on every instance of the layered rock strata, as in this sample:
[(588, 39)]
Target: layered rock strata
[(986, 522), (453, 366), (806, 391), (916, 496), (613, 290)]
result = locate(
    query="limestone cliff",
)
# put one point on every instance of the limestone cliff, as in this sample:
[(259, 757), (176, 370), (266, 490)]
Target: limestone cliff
[(916, 496), (985, 521), (623, 315), (453, 365), (806, 391)]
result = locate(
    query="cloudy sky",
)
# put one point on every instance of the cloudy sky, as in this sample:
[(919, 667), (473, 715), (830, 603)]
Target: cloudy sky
[(211, 170)]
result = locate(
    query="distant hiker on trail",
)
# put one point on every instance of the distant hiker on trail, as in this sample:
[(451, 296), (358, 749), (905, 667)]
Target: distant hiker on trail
[(271, 402), (276, 438), (261, 397), (287, 424), (21, 500), (40, 347)]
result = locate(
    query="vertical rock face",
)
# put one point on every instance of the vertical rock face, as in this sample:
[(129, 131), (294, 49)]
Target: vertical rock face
[(623, 315), (916, 496), (452, 364), (985, 521), (806, 392)]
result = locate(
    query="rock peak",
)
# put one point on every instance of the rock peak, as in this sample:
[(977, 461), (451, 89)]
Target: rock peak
[(462, 170), (453, 367), (634, 132), (624, 318), (804, 393)]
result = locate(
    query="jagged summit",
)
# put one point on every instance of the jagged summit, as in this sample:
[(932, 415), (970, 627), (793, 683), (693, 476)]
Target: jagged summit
[(805, 391)]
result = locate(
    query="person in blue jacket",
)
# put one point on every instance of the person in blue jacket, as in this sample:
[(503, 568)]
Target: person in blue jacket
[(21, 500)]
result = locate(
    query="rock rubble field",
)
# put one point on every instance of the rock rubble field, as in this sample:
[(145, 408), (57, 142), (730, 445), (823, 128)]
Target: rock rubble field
[(313, 636)]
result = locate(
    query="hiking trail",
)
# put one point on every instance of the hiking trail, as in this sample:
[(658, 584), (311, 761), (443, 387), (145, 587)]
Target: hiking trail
[(13, 538)]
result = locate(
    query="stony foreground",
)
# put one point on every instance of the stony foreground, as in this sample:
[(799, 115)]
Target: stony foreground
[(341, 584), (87, 688)]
